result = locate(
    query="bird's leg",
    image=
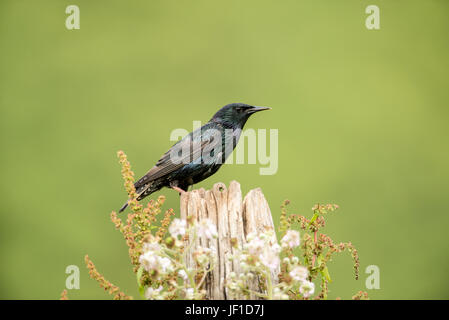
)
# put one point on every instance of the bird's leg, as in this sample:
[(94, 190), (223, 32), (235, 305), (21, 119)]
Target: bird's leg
[(175, 186), (178, 189)]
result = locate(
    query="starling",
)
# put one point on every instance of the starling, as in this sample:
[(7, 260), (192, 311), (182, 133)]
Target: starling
[(199, 154)]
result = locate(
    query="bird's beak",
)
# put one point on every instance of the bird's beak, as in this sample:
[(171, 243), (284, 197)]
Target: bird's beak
[(256, 109)]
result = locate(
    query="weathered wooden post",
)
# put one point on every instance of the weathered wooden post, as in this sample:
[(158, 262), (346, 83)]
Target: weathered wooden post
[(234, 219)]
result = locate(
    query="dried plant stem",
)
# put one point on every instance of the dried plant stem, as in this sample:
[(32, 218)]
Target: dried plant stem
[(108, 286)]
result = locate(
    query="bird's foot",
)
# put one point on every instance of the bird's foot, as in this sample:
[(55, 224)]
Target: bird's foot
[(179, 190)]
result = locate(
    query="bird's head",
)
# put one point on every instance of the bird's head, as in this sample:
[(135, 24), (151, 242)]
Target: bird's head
[(236, 114)]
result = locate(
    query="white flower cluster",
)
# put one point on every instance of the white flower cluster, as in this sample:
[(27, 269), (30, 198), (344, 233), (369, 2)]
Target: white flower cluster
[(177, 228), (291, 239), (154, 294), (260, 257), (203, 256), (299, 275), (163, 262), (206, 228), (153, 261), (265, 248)]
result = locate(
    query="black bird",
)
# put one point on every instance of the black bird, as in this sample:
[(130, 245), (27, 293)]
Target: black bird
[(199, 154)]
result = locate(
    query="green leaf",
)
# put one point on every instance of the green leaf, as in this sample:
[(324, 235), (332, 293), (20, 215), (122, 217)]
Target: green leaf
[(325, 274), (142, 291), (315, 216), (139, 275), (141, 287)]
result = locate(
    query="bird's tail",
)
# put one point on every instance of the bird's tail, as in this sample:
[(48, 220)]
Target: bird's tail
[(124, 207), (142, 193)]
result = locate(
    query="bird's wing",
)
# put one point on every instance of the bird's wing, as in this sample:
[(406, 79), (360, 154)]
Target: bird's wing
[(170, 162)]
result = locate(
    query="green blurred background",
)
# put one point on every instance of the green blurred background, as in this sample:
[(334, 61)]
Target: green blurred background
[(362, 118)]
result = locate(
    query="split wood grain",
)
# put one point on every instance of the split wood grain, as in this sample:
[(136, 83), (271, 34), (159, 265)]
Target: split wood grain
[(235, 219)]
